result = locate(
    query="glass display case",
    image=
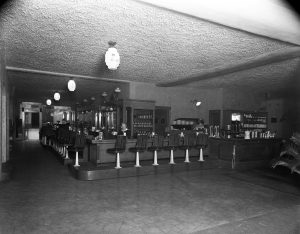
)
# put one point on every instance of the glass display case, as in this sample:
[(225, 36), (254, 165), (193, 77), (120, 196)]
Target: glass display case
[(139, 116), (184, 123), (142, 121)]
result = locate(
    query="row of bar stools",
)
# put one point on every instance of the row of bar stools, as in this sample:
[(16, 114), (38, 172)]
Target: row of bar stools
[(189, 141)]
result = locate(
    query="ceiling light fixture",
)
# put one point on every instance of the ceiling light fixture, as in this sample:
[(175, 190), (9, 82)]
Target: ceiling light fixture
[(56, 96), (117, 90), (71, 85), (112, 57), (196, 102), (48, 102)]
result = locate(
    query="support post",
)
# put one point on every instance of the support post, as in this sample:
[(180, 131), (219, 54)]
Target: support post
[(137, 159), (187, 159), (172, 157), (155, 159), (67, 153), (76, 160), (118, 164), (201, 155)]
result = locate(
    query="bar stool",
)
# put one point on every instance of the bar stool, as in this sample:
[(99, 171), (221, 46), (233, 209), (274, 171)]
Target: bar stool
[(42, 136), (157, 145), (78, 147), (201, 142), (173, 144), (189, 140), (60, 141), (69, 143), (120, 147), (141, 146), (50, 136)]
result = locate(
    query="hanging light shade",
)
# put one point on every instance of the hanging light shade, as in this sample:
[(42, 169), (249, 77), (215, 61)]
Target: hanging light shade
[(56, 96), (117, 90), (71, 85), (48, 102), (112, 57)]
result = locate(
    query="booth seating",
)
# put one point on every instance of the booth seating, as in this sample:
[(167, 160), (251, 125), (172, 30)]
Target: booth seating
[(173, 144), (78, 146), (189, 141), (157, 145), (141, 146), (201, 142), (120, 147)]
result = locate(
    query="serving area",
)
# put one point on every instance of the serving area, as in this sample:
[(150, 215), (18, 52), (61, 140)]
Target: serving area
[(98, 151), (130, 134), (241, 152)]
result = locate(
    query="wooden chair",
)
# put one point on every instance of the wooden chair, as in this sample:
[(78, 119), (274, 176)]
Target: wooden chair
[(120, 147)]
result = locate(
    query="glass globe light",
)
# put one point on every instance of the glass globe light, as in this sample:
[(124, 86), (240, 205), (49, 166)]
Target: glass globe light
[(56, 96), (112, 58), (71, 85)]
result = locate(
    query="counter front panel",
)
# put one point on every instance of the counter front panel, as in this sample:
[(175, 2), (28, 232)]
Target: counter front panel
[(245, 150), (98, 152)]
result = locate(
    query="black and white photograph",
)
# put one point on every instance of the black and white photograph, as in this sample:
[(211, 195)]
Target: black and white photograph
[(149, 117)]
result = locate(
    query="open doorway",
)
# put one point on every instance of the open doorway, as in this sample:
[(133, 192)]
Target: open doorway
[(30, 114)]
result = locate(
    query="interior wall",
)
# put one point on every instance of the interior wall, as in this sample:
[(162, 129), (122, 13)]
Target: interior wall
[(4, 106), (2, 67), (179, 99), (238, 99)]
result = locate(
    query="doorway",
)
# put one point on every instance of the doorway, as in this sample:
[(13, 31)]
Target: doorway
[(162, 119), (35, 119)]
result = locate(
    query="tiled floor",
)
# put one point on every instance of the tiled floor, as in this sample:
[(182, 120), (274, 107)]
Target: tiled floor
[(42, 197)]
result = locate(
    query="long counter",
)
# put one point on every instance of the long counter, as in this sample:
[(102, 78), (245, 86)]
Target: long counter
[(244, 151), (98, 152), (226, 150)]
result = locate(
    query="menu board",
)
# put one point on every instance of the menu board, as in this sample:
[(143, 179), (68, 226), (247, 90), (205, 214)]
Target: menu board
[(255, 120)]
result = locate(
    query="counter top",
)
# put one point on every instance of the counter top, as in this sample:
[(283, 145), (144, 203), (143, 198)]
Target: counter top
[(245, 140), (107, 141)]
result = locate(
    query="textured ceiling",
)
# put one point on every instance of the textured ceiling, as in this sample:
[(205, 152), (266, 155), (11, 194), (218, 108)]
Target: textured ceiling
[(272, 77), (271, 18), (38, 88), (155, 45)]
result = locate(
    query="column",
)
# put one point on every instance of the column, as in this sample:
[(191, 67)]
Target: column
[(2, 68)]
